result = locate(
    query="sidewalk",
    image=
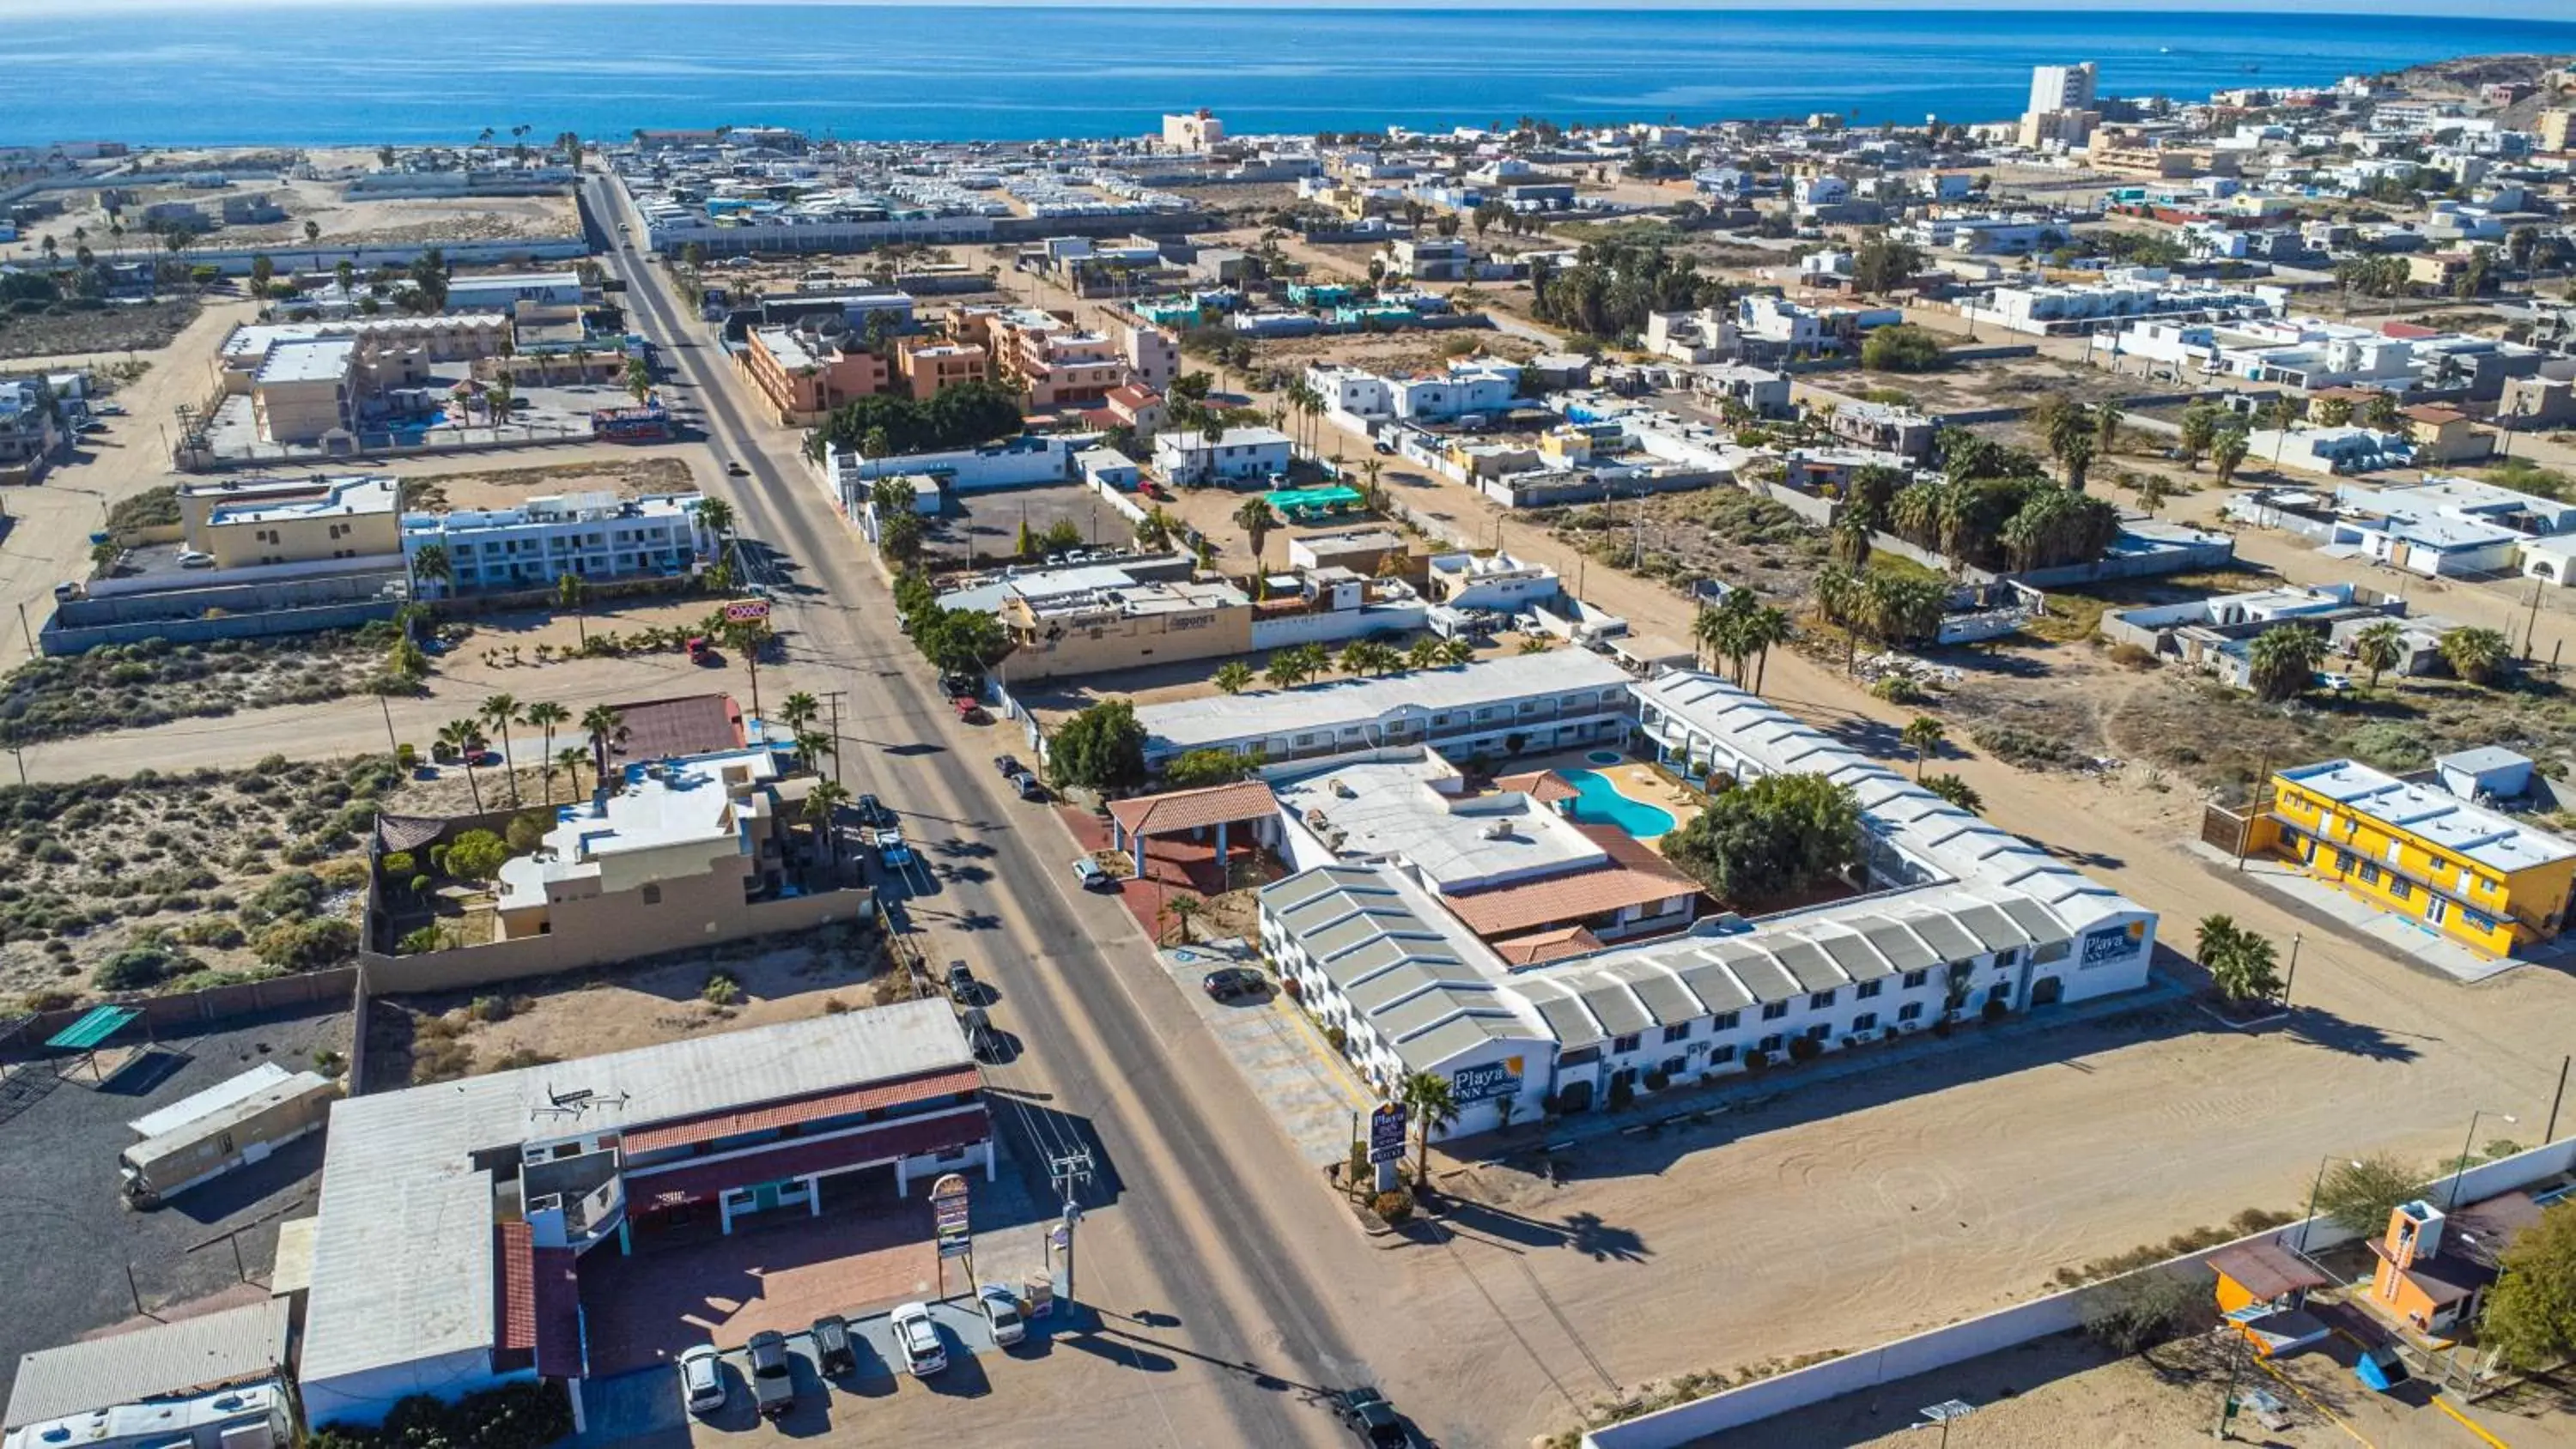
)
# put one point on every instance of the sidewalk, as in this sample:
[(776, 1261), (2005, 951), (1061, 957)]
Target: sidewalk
[(1313, 1091), (2305, 894)]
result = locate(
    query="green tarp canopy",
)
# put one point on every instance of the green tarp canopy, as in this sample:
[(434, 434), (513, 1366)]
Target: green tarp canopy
[(95, 1025)]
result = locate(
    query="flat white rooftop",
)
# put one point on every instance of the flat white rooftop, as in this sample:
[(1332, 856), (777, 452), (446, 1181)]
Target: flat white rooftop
[(402, 1254), (308, 360), (1391, 808), (1422, 693)]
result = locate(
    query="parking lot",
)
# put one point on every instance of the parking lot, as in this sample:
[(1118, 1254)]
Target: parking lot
[(645, 1405), (987, 524), (71, 1237)]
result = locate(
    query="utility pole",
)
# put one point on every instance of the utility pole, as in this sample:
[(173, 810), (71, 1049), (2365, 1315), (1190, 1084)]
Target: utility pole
[(2292, 979), (1070, 1171), (2552, 1134), (30, 633), (834, 697), (391, 743)]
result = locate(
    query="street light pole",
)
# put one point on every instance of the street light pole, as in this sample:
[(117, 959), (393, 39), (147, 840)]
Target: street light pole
[(2292, 979), (2461, 1169)]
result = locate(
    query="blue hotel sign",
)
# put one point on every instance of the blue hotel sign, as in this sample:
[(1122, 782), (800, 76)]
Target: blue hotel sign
[(1486, 1081), (2103, 946)]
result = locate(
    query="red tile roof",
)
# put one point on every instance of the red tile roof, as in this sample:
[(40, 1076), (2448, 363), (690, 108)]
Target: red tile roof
[(692, 1130), (1544, 786), (912, 1137), (1180, 810), (689, 724), (1636, 876), (514, 1287), (1543, 946), (2410, 330)]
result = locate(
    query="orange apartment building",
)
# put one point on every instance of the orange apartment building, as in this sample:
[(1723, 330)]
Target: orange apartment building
[(804, 375), (928, 365), (1045, 355), (2434, 1268)]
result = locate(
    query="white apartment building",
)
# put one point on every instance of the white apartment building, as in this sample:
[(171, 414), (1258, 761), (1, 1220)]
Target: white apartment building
[(1491, 581), (2126, 293), (1466, 388), (1349, 392), (591, 536), (1187, 458)]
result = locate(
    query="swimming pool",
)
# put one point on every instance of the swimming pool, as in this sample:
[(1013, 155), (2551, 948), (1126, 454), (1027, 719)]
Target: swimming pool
[(1598, 802)]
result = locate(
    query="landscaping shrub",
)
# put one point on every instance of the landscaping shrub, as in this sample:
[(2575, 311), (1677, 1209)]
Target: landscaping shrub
[(1994, 1010), (1657, 1080), (1395, 1208), (721, 990), (528, 829), (308, 945), (1756, 1059), (514, 1416), (476, 855), (1805, 1049), (147, 962), (1621, 1094)]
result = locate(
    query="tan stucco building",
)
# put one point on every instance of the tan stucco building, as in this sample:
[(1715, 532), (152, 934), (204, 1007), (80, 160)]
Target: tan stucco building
[(250, 522), (1083, 630), (804, 375)]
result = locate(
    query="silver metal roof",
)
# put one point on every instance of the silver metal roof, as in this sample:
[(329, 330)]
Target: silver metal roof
[(212, 1350)]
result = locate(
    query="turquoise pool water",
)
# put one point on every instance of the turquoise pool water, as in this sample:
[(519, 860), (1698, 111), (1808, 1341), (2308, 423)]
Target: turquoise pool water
[(1604, 757), (1598, 802)]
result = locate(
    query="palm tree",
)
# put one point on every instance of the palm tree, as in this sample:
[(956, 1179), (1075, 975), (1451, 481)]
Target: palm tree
[(1956, 791), (429, 561), (2227, 454), (1432, 1103), (812, 746), (798, 710), (1286, 670), (1181, 909), (1923, 736), (748, 637), (821, 804), (1457, 651), (500, 712), (2475, 654), (717, 515), (570, 759), (1758, 631), (2106, 429), (1713, 630), (1232, 677), (607, 729), (2282, 662), (2378, 649), (1256, 520), (466, 738), (1426, 653)]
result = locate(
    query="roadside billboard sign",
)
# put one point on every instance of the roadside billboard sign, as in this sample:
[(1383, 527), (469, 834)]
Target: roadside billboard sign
[(948, 1205), (746, 611), (1386, 1133)]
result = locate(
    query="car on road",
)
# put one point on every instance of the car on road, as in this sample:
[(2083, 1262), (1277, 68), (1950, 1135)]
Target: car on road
[(92, 425), (1009, 766), (1382, 448), (67, 589), (773, 1384), (1029, 786), (917, 1338), (963, 988), (956, 683), (1371, 1417), (1088, 872), (190, 558), (1229, 982), (872, 811), (833, 1351), (736, 470), (109, 410), (981, 1040), (702, 1381), (1002, 1310), (969, 711)]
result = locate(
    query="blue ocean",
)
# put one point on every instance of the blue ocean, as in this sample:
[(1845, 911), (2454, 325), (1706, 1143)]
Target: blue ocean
[(373, 74)]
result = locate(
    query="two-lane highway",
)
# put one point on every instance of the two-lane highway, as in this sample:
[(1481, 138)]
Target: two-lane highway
[(1207, 1241)]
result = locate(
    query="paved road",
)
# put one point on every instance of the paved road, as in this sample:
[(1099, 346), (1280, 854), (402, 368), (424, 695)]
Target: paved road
[(1206, 1246)]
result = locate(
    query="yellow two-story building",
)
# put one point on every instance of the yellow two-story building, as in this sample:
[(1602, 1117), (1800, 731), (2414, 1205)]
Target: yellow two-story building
[(2479, 878)]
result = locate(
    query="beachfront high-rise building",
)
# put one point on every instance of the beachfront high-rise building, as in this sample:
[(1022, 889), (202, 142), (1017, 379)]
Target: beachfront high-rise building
[(2062, 87), (2061, 106)]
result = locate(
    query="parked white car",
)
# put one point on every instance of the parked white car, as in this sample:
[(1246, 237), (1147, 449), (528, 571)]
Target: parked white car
[(1002, 1310), (918, 1339), (702, 1382)]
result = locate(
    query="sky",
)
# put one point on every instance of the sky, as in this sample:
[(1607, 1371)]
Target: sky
[(2562, 10)]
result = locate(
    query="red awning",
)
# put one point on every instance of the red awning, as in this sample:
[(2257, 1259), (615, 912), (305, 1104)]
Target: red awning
[(691, 1131), (514, 1287), (705, 1182)]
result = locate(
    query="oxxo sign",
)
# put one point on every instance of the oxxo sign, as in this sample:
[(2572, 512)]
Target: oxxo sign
[(746, 611), (1486, 1081)]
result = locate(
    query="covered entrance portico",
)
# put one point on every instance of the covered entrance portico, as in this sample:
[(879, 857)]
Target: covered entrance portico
[(1216, 811), (804, 1177)]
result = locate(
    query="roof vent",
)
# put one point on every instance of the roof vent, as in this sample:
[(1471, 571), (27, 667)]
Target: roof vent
[(1498, 830)]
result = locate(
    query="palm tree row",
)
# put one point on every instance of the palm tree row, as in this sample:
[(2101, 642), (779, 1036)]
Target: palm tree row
[(466, 738), (1741, 630), (1292, 667)]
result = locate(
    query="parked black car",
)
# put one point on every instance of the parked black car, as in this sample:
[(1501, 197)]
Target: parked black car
[(773, 1385), (833, 1351), (963, 988), (873, 813), (1371, 1417)]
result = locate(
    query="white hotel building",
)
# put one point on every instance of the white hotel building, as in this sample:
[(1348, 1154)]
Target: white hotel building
[(1956, 919), (595, 537)]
